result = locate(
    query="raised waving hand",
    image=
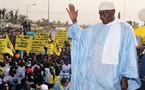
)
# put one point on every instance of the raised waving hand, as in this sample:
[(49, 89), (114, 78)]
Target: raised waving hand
[(73, 14)]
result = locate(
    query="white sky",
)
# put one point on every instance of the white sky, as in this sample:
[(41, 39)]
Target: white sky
[(88, 9)]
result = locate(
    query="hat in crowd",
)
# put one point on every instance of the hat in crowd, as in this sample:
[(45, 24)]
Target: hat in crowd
[(29, 70), (44, 87), (17, 56), (38, 67), (106, 5)]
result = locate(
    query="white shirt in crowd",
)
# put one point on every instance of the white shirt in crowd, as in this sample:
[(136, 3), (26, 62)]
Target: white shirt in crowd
[(6, 73), (65, 67), (20, 73), (47, 73)]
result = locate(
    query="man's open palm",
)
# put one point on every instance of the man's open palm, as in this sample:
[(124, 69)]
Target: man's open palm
[(72, 13)]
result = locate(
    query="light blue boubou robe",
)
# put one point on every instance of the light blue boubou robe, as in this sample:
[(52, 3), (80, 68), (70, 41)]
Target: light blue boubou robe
[(88, 71)]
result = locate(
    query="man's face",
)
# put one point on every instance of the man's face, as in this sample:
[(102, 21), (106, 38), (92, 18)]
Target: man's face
[(107, 16)]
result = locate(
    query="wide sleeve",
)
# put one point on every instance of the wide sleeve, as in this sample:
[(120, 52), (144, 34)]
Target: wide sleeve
[(129, 61), (80, 39), (74, 31)]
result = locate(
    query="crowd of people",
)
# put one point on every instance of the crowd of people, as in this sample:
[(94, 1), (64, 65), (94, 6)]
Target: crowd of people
[(33, 71), (39, 71), (8, 14)]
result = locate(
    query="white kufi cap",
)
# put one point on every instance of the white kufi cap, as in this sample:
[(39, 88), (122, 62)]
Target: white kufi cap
[(106, 6)]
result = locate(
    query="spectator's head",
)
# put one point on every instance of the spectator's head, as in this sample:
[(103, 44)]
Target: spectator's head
[(52, 70), (7, 61), (65, 82), (66, 62), (21, 63), (37, 70)]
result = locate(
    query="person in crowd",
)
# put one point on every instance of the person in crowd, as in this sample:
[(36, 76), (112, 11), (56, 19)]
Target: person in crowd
[(28, 26), (38, 77), (47, 73), (63, 84), (3, 13), (53, 78), (103, 56), (20, 73), (11, 14), (16, 14), (30, 78), (0, 13), (24, 24), (13, 80), (42, 87), (6, 66), (66, 67)]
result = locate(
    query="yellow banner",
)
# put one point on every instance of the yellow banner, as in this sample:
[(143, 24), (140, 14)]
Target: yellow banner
[(2, 45), (23, 42), (9, 43), (49, 48), (56, 49), (6, 46), (40, 39), (2, 70), (60, 38), (37, 46), (43, 37), (9, 47)]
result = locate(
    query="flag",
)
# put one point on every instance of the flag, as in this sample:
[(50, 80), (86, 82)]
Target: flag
[(9, 47), (2, 70), (56, 49)]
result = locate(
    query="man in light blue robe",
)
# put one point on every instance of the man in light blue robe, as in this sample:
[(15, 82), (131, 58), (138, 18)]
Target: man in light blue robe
[(89, 70)]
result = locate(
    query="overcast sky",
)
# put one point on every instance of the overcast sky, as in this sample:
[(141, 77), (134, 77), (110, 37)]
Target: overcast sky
[(88, 9)]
